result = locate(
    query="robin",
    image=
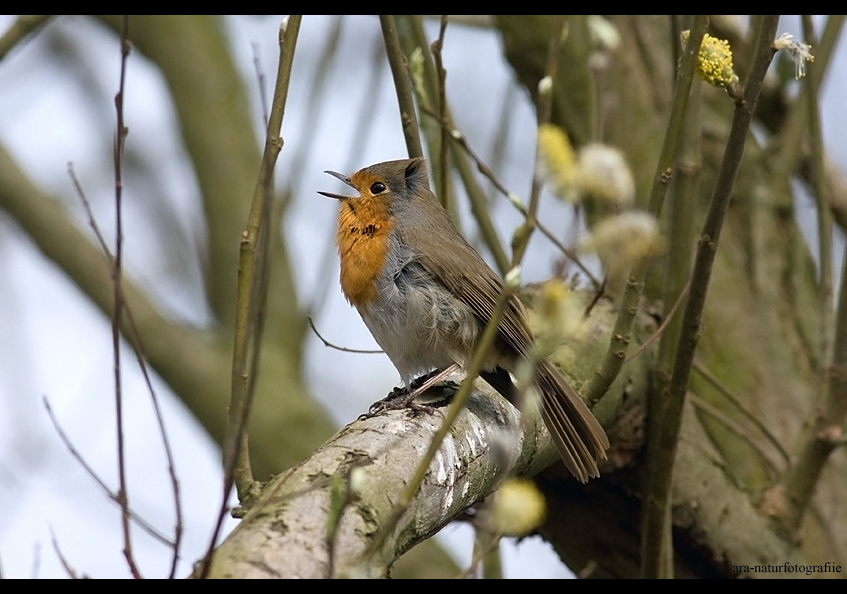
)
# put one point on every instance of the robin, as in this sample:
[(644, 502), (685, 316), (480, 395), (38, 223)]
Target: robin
[(426, 296)]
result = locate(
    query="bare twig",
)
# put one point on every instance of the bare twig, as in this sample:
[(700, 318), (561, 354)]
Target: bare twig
[(476, 196), (679, 256), (736, 402), (341, 348), (481, 551), (142, 363), (444, 119), (117, 272), (677, 271), (675, 30), (400, 72), (824, 213), (142, 523), (260, 81), (543, 112), (661, 328), (504, 119), (657, 496), (516, 202), (70, 570), (826, 427), (236, 457), (160, 422)]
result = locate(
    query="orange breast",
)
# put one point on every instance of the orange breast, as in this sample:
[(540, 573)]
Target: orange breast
[(362, 239)]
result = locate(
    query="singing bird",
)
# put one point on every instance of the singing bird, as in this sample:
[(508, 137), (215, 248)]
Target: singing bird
[(426, 296)]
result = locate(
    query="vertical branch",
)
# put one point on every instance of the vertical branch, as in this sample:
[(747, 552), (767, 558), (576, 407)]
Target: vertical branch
[(236, 456), (824, 212), (827, 423), (827, 432), (476, 196), (543, 111), (657, 497), (120, 137), (142, 523), (135, 336), (676, 276), (616, 354), (676, 30), (437, 45), (400, 72), (680, 236)]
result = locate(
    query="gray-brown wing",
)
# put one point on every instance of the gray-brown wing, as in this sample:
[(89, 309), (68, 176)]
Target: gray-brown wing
[(466, 275)]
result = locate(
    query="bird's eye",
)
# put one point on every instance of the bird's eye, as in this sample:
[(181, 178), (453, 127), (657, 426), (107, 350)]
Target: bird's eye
[(377, 188)]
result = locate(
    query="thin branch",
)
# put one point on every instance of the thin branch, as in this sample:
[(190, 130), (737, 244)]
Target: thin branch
[(736, 402), (826, 425), (20, 29), (476, 196), (484, 543), (142, 523), (516, 202), (827, 317), (676, 29), (661, 328), (481, 213), (236, 458), (620, 338), (142, 363), (70, 570), (163, 434), (657, 495), (543, 112), (733, 426), (505, 118), (117, 272), (87, 207), (677, 274), (444, 119), (400, 72), (340, 348), (679, 257), (260, 81)]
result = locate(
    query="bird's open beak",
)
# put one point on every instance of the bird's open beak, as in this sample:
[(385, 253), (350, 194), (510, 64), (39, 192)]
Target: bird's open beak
[(343, 178)]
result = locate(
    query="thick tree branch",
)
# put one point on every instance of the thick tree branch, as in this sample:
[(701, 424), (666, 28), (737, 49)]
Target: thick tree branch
[(375, 458)]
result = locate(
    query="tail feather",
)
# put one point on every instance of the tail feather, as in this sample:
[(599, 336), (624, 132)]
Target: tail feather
[(578, 436)]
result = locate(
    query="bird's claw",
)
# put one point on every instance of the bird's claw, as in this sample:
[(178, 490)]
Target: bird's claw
[(401, 398)]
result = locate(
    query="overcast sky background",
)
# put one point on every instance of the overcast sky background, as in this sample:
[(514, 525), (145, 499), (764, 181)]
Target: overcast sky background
[(56, 107)]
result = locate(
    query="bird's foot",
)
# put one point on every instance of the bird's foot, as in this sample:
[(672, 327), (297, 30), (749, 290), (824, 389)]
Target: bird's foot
[(401, 398)]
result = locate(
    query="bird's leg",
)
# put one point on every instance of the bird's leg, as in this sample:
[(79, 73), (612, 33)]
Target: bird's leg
[(400, 398)]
